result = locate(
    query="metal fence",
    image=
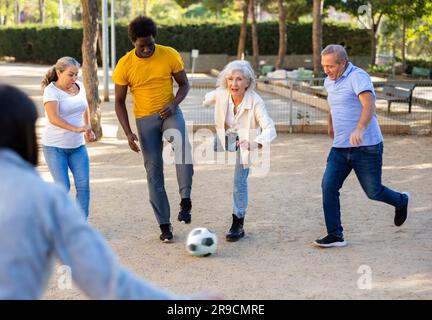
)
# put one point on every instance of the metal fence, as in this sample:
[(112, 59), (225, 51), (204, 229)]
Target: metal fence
[(301, 105)]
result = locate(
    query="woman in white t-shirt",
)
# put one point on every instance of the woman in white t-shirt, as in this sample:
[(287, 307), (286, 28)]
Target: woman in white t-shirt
[(68, 124)]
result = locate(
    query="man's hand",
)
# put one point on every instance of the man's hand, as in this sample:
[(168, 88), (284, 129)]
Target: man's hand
[(356, 137), (167, 111), (131, 140)]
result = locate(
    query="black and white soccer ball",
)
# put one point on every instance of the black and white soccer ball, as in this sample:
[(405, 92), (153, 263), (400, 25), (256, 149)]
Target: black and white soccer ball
[(201, 242)]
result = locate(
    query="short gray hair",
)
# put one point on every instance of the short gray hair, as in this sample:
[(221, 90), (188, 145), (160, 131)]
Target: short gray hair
[(341, 54), (237, 65)]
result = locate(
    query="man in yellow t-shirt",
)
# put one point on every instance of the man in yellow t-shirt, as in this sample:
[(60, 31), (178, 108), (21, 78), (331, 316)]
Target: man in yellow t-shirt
[(148, 70)]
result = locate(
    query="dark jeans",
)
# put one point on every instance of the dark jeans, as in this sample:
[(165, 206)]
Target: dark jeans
[(151, 129), (367, 164)]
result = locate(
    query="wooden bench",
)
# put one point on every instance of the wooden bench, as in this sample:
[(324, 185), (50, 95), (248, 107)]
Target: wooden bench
[(397, 92), (421, 72)]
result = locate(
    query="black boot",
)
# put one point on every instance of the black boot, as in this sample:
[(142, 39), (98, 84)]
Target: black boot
[(184, 215), (236, 232)]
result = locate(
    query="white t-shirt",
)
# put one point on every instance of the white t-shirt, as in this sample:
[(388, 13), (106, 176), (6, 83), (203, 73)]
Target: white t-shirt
[(71, 109)]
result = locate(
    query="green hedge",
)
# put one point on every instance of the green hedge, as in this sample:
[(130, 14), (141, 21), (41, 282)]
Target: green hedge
[(40, 45), (46, 44)]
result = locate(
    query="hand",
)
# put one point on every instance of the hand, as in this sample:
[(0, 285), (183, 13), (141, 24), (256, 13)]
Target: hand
[(356, 137), (131, 140), (89, 135), (80, 129), (246, 145), (167, 111)]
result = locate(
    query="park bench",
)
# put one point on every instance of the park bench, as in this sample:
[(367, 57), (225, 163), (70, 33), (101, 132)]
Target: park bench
[(397, 92), (421, 72)]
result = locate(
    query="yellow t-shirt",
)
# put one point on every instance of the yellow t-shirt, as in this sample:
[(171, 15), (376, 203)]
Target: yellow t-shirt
[(150, 79)]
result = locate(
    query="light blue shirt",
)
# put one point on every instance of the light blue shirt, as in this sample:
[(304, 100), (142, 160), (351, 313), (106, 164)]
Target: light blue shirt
[(346, 109), (39, 221)]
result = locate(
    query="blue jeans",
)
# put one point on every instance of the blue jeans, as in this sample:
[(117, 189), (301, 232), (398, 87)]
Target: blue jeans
[(59, 160), (367, 164), (240, 192), (151, 129)]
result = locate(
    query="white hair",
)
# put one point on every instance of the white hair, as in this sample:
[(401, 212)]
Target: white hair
[(341, 54), (237, 65)]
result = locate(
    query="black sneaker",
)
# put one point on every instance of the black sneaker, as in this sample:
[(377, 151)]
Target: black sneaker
[(184, 215), (330, 241), (166, 235), (401, 214)]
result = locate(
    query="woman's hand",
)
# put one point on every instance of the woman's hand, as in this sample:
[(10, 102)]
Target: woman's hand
[(246, 145), (89, 135), (80, 129)]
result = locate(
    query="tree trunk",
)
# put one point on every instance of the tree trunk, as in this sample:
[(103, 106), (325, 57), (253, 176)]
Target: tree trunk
[(394, 57), (243, 31), (7, 5), (42, 11), (89, 68), (255, 48), (317, 37), (61, 15), (374, 35), (17, 12), (404, 46), (146, 7), (282, 35), (373, 45)]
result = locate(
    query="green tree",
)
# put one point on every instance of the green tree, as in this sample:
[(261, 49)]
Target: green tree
[(421, 35), (407, 14), (372, 10), (166, 11), (214, 6)]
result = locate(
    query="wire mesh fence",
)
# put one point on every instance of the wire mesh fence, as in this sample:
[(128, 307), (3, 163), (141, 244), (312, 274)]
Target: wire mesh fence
[(301, 105)]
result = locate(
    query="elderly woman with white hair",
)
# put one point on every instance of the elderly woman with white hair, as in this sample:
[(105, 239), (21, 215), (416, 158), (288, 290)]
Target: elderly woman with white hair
[(243, 124)]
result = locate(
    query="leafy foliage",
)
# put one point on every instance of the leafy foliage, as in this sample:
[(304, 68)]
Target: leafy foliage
[(46, 44)]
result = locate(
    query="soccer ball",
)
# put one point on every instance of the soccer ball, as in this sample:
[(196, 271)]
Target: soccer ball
[(201, 242)]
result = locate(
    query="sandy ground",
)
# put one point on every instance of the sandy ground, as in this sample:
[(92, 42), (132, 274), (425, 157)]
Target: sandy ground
[(276, 259)]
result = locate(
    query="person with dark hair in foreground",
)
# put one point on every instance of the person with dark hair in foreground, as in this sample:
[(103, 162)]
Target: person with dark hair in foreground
[(39, 221)]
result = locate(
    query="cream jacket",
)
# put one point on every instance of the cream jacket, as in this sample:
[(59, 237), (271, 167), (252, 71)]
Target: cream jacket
[(252, 123)]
